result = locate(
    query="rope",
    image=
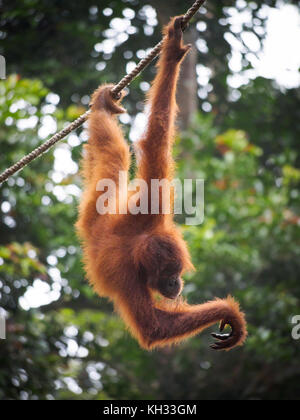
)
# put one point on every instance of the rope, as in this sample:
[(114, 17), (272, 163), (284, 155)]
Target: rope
[(79, 121)]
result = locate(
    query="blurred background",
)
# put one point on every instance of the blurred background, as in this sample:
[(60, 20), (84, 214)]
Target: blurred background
[(239, 130)]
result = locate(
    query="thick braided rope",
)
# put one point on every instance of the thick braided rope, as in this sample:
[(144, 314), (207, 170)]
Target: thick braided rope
[(43, 148), (79, 121)]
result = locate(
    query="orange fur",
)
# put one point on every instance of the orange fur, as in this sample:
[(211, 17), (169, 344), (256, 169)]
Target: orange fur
[(126, 257)]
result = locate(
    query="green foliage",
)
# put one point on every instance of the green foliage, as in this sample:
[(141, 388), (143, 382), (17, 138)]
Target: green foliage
[(64, 57), (269, 115), (75, 347), (62, 341), (249, 246)]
